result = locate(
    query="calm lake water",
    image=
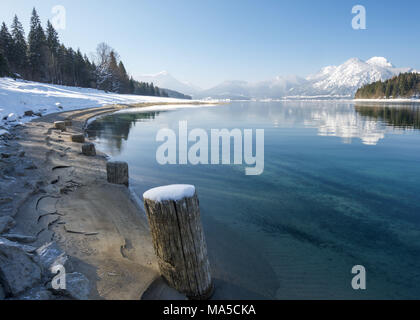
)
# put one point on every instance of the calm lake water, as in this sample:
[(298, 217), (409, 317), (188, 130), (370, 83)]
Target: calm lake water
[(341, 187)]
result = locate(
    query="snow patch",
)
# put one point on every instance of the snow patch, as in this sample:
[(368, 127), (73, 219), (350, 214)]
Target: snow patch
[(174, 192)]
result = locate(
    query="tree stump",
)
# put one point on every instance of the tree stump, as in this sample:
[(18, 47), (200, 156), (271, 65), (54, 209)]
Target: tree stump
[(60, 125), (88, 149), (178, 239), (117, 172), (78, 138)]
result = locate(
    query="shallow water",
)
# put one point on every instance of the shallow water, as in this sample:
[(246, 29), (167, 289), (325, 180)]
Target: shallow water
[(340, 188)]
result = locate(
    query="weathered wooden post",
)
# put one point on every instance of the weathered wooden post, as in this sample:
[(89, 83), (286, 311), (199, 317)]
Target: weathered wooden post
[(88, 149), (60, 125), (178, 239), (117, 172), (78, 138)]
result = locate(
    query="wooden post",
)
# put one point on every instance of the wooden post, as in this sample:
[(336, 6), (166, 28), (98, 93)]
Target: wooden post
[(60, 125), (79, 138), (88, 149), (117, 172), (178, 239)]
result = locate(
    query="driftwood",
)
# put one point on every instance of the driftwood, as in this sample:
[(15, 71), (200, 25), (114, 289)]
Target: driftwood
[(117, 172), (180, 246)]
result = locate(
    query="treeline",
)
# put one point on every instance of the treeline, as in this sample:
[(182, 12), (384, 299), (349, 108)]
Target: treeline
[(42, 57), (405, 85)]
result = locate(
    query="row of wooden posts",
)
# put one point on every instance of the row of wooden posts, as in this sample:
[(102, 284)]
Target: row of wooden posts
[(176, 229)]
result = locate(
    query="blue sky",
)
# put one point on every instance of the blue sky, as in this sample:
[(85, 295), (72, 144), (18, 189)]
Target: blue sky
[(209, 41)]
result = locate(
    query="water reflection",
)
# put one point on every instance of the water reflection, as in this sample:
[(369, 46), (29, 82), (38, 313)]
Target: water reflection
[(369, 123), (113, 130)]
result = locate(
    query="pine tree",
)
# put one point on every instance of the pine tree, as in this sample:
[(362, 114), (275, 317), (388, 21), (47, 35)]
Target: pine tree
[(6, 43), (19, 48), (37, 49), (4, 66), (53, 45)]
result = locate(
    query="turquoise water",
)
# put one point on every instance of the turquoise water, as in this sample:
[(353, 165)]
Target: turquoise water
[(340, 188)]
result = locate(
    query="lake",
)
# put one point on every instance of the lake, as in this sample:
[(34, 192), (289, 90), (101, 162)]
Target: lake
[(340, 188)]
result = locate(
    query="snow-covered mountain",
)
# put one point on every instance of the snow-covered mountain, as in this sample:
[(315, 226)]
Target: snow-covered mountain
[(167, 81), (275, 88), (345, 79), (330, 82)]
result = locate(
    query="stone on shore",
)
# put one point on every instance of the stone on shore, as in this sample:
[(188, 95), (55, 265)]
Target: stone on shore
[(60, 125), (88, 149), (6, 223), (78, 138), (18, 269)]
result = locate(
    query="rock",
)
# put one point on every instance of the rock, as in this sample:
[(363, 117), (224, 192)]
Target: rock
[(18, 269), (50, 255), (29, 113), (38, 293), (117, 172), (12, 117), (19, 238), (88, 149), (60, 125), (5, 200), (6, 223), (2, 293), (77, 286), (78, 138)]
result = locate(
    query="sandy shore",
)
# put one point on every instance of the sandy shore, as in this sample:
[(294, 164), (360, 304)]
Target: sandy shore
[(55, 193)]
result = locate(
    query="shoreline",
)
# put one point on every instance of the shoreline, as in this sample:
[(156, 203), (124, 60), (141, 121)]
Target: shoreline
[(54, 193)]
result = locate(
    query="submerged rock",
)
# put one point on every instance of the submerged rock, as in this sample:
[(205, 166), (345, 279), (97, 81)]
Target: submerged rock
[(18, 270), (37, 293), (19, 238), (50, 255), (77, 287), (6, 223)]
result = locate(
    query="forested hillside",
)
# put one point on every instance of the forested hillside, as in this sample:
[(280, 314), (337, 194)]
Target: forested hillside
[(42, 57), (406, 85)]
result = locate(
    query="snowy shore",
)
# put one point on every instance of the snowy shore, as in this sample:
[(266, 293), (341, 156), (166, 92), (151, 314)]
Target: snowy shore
[(21, 101)]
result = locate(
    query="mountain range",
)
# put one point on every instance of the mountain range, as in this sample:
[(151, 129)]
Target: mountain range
[(331, 82)]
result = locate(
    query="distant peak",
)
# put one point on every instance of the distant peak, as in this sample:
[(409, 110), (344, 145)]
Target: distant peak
[(154, 75), (380, 61), (353, 60)]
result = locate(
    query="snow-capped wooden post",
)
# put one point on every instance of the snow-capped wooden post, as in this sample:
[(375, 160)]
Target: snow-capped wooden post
[(60, 125), (178, 239), (117, 172)]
